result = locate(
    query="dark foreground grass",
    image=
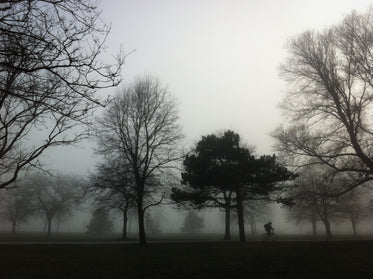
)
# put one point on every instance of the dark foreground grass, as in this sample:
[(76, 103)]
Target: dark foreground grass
[(299, 259)]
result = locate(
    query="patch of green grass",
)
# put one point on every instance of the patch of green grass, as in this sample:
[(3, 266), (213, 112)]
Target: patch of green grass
[(337, 259)]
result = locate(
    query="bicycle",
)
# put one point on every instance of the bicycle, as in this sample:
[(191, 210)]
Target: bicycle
[(271, 237)]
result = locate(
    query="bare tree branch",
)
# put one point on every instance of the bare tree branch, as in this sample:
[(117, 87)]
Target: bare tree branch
[(51, 69)]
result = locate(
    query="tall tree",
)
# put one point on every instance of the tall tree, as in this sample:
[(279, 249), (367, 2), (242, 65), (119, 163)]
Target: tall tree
[(209, 175), (112, 187), (50, 72), (16, 205), (221, 173), (53, 195), (330, 98), (141, 125)]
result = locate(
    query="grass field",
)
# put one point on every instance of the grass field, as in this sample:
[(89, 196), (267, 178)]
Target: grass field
[(282, 259)]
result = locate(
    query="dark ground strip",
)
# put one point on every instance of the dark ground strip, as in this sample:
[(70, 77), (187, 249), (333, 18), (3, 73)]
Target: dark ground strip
[(338, 259)]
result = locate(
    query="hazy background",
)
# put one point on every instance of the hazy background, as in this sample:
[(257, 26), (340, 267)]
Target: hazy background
[(219, 58)]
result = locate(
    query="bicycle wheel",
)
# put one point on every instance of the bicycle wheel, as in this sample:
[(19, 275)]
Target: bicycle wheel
[(273, 237), (264, 237)]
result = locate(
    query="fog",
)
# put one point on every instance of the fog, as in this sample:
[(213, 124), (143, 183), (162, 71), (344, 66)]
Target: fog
[(170, 220), (186, 139), (220, 59)]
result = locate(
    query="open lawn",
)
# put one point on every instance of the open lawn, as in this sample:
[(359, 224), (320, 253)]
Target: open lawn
[(282, 259)]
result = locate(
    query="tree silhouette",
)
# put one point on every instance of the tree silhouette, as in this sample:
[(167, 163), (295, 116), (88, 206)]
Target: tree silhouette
[(111, 186), (329, 100), (16, 205), (354, 206), (221, 173), (315, 192), (50, 71), (141, 126), (302, 211), (54, 196)]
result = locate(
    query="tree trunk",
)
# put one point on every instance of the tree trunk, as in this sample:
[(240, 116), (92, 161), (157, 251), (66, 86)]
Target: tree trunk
[(125, 219), (14, 224), (140, 217), (227, 234), (354, 228), (58, 225), (327, 229), (241, 224), (49, 226), (314, 228), (129, 225)]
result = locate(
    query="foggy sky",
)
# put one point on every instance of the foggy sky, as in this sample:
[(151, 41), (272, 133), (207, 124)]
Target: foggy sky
[(219, 58)]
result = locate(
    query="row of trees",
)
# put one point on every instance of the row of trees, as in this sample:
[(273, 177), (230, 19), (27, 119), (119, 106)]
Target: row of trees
[(330, 135), (51, 70), (51, 198), (138, 137), (316, 200)]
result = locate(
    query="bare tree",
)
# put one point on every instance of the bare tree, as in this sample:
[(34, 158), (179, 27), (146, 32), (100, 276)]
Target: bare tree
[(50, 72), (354, 207), (54, 196), (316, 190), (141, 125), (303, 211), (16, 206), (330, 98), (111, 187)]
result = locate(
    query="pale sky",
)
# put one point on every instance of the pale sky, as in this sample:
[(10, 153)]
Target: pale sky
[(220, 59)]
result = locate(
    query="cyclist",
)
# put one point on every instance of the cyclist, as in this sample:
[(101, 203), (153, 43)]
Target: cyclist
[(268, 228)]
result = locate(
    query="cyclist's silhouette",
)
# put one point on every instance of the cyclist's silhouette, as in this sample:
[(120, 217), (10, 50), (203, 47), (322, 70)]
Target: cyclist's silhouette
[(268, 228)]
